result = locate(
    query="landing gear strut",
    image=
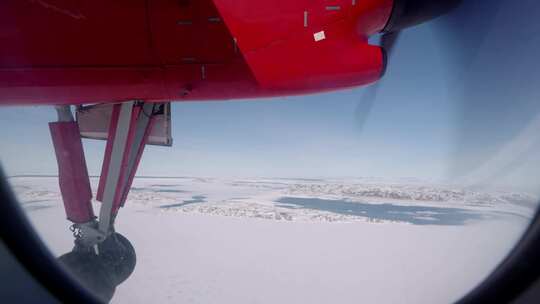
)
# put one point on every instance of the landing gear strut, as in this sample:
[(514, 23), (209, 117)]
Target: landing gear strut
[(101, 258)]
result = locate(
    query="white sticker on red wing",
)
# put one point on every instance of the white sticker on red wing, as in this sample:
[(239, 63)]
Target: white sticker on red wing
[(319, 36)]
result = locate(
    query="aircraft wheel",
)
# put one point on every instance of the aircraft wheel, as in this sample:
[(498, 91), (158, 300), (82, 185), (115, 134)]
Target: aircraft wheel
[(90, 272), (118, 255)]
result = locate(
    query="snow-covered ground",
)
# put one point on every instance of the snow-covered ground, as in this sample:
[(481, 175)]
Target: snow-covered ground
[(274, 240)]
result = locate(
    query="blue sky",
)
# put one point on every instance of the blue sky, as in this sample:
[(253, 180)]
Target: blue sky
[(460, 98)]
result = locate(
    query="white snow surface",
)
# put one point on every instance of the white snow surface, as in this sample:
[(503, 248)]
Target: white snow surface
[(276, 240)]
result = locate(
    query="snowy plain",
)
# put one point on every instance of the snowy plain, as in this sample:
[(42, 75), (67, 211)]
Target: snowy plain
[(278, 240)]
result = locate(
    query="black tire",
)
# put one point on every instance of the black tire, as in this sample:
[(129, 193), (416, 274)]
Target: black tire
[(88, 269), (118, 256), (406, 13)]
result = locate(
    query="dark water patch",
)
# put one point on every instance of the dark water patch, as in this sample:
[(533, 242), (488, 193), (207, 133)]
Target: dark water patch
[(158, 190), (509, 213), (165, 185), (34, 201), (163, 177), (32, 175), (418, 215), (256, 183), (194, 200), (21, 187), (169, 191), (37, 207)]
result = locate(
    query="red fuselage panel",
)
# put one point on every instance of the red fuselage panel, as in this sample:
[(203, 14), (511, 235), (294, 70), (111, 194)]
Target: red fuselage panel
[(78, 51)]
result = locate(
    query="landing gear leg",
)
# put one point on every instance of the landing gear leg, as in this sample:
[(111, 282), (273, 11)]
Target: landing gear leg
[(72, 172), (129, 129), (76, 195), (101, 258)]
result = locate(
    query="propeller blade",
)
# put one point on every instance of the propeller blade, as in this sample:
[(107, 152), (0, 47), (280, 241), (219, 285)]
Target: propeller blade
[(388, 41), (363, 109)]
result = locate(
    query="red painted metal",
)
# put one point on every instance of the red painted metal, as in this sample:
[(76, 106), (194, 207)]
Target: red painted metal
[(122, 191), (131, 176), (277, 39), (72, 172), (119, 191), (108, 151), (88, 51)]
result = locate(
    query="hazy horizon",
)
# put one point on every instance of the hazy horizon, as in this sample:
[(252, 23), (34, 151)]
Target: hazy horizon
[(458, 110)]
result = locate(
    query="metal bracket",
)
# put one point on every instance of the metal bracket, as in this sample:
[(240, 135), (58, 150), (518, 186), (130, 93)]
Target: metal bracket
[(64, 113), (88, 234)]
